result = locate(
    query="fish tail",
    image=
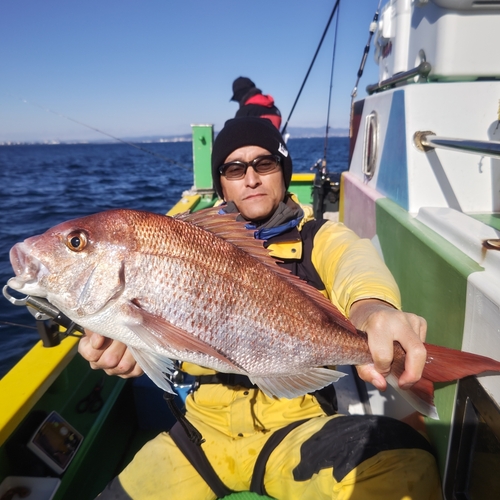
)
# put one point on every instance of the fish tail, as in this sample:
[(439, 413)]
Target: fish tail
[(444, 364)]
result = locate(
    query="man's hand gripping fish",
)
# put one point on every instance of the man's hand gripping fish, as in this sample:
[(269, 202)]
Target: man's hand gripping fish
[(200, 288)]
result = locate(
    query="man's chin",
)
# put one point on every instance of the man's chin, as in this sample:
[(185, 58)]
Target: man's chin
[(256, 213)]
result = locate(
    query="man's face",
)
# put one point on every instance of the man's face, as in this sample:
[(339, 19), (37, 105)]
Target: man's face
[(256, 196)]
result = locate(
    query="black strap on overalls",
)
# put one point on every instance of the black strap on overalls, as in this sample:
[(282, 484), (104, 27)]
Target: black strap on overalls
[(259, 470), (197, 458), (188, 439)]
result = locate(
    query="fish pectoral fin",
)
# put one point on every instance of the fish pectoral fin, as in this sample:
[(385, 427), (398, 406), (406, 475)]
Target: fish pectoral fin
[(292, 386), (98, 292), (155, 367), (156, 331)]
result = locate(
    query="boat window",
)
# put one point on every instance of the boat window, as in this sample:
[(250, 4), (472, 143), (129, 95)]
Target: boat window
[(370, 145)]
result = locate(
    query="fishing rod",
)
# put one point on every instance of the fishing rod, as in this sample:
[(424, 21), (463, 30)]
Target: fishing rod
[(8, 323), (330, 94), (326, 188), (164, 158), (373, 27), (283, 130)]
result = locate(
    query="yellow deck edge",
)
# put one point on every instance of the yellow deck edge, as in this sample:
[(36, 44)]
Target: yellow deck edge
[(303, 177), (28, 380), (187, 202)]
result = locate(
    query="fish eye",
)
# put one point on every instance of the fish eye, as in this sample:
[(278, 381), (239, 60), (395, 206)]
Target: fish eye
[(76, 241)]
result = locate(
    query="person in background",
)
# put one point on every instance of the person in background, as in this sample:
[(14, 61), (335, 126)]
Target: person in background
[(298, 448), (253, 102)]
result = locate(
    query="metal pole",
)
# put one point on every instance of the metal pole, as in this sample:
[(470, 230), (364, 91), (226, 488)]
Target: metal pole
[(425, 140)]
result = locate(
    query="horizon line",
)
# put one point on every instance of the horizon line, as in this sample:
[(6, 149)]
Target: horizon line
[(302, 133)]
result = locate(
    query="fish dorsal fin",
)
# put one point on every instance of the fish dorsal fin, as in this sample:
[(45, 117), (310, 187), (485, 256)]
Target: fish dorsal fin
[(226, 226)]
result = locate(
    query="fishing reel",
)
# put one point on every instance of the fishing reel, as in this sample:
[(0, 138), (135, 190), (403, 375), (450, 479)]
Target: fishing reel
[(48, 319), (326, 190)]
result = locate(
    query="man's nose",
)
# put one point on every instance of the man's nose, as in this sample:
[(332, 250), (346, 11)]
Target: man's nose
[(252, 178)]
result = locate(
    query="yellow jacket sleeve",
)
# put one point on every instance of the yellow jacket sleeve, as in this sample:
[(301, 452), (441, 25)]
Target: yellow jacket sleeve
[(351, 269)]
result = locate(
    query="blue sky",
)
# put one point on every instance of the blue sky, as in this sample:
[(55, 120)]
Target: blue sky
[(153, 67)]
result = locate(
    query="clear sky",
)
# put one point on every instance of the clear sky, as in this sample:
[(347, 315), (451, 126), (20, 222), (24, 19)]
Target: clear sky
[(154, 67)]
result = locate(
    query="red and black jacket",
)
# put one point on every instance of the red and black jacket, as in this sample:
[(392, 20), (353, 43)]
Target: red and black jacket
[(262, 106)]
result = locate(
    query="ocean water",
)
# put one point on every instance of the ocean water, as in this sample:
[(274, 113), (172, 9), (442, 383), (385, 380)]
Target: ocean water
[(43, 185)]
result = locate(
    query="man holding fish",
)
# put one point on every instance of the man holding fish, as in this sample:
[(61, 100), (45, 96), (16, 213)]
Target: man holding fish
[(305, 451)]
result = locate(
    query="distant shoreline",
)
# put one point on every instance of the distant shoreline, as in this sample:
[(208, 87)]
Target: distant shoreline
[(294, 133)]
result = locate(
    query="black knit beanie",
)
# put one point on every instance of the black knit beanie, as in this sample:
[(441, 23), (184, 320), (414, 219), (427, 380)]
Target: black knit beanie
[(249, 131)]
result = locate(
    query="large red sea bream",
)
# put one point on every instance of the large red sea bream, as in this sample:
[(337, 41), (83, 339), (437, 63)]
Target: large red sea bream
[(200, 288)]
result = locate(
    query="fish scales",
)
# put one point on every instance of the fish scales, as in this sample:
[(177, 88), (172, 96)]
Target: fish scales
[(234, 297), (200, 288)]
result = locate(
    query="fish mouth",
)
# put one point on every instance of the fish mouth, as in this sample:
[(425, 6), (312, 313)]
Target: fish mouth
[(27, 268)]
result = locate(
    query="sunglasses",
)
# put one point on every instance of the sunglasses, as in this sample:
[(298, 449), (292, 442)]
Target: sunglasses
[(263, 165)]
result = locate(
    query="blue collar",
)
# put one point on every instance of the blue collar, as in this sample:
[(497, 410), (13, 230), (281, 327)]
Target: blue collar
[(268, 233)]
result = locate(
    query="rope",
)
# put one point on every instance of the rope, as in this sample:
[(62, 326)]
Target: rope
[(283, 130)]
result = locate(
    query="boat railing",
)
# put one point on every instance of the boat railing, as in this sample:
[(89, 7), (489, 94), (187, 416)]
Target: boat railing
[(427, 140), (29, 379), (421, 71)]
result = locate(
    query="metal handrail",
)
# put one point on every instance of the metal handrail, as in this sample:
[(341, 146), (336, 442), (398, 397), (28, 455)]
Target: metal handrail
[(423, 70), (426, 140)]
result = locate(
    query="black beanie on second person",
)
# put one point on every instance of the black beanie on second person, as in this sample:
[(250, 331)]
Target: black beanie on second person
[(241, 86), (249, 131)]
